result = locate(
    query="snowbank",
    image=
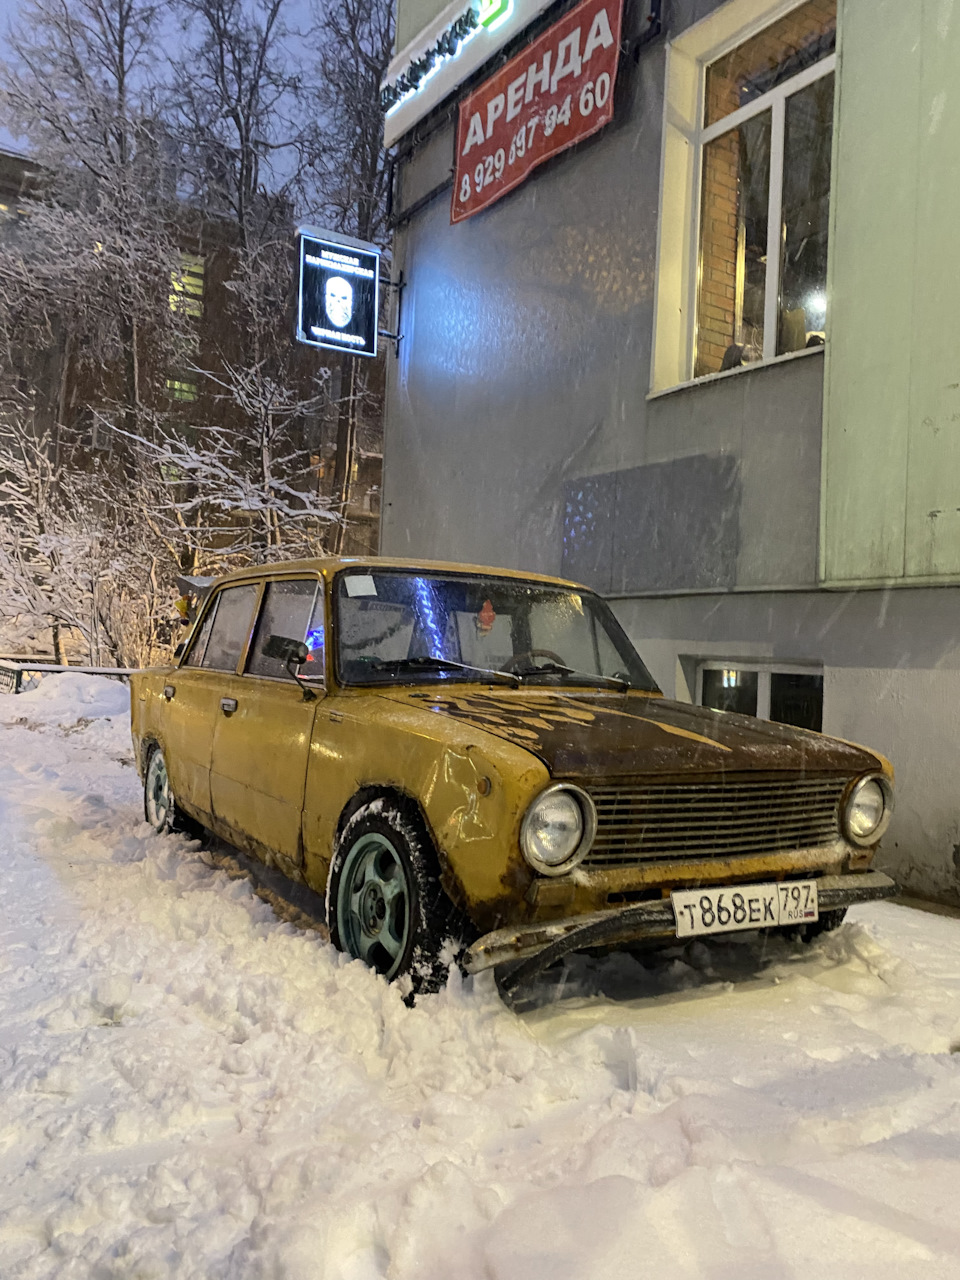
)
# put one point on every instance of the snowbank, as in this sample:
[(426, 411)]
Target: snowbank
[(64, 697), (193, 1089)]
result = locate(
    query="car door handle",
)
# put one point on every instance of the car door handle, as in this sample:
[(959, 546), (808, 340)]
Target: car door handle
[(228, 706), (168, 691)]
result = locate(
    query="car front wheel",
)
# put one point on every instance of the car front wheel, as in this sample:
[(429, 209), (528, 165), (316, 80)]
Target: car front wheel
[(159, 806), (385, 904), (829, 922)]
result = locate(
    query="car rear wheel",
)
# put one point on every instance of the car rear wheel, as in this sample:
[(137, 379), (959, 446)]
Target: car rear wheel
[(160, 809), (385, 904)]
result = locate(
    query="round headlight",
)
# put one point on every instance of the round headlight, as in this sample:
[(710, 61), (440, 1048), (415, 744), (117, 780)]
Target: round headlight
[(868, 810), (558, 830)]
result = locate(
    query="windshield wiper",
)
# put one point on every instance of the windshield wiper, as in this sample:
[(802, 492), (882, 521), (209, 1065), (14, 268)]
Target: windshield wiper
[(426, 663), (556, 668)]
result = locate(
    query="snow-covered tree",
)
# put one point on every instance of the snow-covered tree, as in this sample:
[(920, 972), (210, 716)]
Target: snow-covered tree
[(149, 162), (240, 111), (353, 42), (91, 265)]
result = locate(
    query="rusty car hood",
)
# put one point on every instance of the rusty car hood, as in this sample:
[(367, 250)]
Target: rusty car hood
[(599, 734)]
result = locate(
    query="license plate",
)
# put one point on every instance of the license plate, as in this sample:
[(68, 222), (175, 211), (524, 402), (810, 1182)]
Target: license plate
[(744, 906)]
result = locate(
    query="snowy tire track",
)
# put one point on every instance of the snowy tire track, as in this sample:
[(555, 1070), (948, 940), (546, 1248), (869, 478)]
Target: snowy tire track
[(192, 1088)]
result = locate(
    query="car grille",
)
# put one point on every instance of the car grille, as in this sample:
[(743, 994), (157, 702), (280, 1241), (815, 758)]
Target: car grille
[(696, 820)]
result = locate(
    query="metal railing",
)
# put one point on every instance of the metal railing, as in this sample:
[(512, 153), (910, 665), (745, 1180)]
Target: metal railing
[(12, 672)]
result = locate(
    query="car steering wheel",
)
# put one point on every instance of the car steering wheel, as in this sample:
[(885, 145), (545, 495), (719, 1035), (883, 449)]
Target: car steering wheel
[(511, 663)]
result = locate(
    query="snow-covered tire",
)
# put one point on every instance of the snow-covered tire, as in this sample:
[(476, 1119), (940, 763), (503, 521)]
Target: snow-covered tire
[(160, 808), (385, 903), (828, 922)]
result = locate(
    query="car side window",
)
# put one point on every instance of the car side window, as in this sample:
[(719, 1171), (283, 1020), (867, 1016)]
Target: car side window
[(198, 648), (230, 628), (292, 608)]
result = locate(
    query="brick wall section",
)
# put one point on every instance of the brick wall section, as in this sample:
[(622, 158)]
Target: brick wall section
[(760, 56), (719, 224)]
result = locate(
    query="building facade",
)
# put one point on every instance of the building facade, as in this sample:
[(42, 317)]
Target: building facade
[(704, 358)]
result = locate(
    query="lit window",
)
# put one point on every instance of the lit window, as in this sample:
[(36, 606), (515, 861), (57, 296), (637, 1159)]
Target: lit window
[(182, 388), (187, 286), (747, 145), (765, 193)]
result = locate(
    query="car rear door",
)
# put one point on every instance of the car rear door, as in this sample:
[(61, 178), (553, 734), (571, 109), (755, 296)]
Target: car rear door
[(261, 742), (194, 690)]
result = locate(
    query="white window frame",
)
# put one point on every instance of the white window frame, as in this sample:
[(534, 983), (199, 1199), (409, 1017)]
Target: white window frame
[(764, 671), (684, 136)]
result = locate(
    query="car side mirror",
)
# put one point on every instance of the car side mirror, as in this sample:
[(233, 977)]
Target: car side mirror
[(178, 651), (293, 654), (285, 650)]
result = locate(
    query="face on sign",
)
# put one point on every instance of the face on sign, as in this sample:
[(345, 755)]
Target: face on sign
[(338, 301)]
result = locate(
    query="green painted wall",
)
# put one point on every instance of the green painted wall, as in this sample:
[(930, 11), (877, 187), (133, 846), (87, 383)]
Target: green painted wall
[(413, 16), (891, 457)]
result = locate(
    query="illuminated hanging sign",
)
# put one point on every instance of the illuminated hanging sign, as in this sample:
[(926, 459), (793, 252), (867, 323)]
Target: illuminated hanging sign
[(555, 93), (458, 42), (337, 299)]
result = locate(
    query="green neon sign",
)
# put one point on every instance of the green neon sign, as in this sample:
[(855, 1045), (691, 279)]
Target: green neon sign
[(491, 13)]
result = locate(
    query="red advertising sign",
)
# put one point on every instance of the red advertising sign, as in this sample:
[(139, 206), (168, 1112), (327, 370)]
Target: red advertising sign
[(556, 92)]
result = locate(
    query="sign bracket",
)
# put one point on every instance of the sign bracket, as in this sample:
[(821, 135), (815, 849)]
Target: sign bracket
[(399, 284)]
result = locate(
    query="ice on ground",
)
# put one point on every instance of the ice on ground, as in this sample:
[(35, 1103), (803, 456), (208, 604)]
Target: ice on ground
[(193, 1089)]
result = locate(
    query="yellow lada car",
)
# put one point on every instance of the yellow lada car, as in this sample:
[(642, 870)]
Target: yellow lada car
[(474, 764)]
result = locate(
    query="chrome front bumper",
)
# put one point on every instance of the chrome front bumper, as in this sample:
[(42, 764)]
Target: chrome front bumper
[(550, 940)]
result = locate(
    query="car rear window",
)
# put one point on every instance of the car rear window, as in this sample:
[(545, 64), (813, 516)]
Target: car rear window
[(231, 626), (198, 648)]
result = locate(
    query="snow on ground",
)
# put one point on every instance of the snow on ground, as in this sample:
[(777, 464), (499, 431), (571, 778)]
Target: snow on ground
[(191, 1088)]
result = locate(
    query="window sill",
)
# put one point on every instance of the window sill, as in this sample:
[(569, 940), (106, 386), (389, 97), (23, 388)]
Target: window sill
[(733, 373)]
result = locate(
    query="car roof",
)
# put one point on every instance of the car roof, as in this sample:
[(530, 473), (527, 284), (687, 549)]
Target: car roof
[(328, 566)]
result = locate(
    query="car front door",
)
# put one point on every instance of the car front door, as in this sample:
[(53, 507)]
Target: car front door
[(261, 742), (194, 690)]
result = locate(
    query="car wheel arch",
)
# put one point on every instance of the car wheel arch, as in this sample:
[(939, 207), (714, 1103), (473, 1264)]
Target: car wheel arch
[(414, 810), (395, 795), (147, 748)]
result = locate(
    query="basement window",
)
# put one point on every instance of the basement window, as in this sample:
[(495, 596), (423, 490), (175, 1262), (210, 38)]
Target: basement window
[(785, 694)]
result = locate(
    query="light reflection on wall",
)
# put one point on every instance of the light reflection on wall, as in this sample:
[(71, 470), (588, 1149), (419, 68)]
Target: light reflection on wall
[(537, 311), (466, 327)]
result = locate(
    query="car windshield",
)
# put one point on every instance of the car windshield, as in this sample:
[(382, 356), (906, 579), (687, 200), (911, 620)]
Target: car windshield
[(398, 627)]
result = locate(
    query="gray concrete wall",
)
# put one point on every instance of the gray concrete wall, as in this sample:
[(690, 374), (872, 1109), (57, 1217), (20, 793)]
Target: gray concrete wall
[(517, 426), (891, 666)]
